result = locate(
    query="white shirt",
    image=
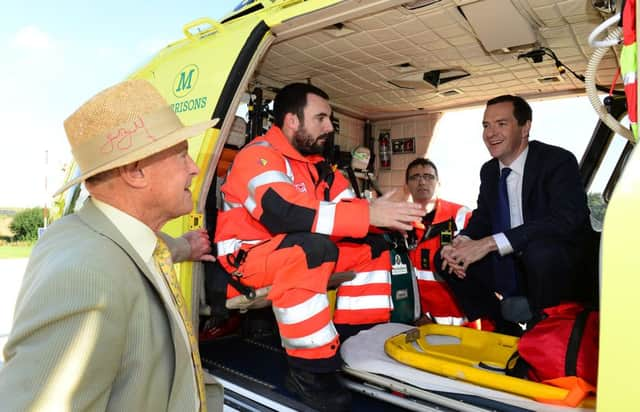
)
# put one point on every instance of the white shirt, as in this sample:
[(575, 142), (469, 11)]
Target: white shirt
[(514, 192), (144, 240)]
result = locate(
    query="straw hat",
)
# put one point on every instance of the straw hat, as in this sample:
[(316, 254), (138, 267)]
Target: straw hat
[(123, 124)]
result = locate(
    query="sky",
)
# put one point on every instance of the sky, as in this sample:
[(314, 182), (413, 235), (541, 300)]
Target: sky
[(54, 55)]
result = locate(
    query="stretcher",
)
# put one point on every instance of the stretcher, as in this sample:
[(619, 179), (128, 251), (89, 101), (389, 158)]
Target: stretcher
[(452, 371), (471, 355)]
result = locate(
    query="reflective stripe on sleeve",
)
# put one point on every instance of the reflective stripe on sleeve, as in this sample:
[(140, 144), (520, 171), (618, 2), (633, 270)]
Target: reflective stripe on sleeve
[(301, 311), (228, 246), (326, 218), (347, 193), (314, 340), (272, 176), (460, 218)]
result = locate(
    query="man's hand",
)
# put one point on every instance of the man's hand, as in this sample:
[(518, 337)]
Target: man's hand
[(200, 245), (397, 215), (449, 262), (463, 252)]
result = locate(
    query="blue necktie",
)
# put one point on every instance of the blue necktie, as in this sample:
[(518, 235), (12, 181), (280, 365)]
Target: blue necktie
[(503, 222), (504, 266)]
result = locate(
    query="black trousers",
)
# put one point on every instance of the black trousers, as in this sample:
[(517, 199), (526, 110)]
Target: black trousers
[(544, 272)]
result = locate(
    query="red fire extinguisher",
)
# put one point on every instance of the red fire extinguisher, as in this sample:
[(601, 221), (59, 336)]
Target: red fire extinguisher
[(384, 150)]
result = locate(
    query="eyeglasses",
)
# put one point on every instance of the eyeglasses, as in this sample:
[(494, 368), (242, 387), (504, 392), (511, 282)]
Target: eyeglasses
[(427, 177)]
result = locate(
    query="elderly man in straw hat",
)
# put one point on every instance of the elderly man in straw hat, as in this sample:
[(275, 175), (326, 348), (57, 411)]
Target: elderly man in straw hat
[(100, 323)]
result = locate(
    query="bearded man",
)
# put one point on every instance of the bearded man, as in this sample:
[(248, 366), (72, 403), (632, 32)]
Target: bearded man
[(290, 222)]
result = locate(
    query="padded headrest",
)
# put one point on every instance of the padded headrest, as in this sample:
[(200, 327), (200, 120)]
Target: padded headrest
[(238, 132)]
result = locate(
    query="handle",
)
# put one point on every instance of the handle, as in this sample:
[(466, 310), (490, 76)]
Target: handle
[(214, 26)]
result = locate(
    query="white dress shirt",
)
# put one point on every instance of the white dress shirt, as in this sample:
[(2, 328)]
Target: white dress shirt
[(514, 191)]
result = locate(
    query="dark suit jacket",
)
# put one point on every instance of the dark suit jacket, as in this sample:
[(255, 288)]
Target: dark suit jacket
[(554, 204)]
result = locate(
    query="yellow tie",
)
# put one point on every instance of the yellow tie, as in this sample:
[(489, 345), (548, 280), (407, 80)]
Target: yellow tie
[(162, 257)]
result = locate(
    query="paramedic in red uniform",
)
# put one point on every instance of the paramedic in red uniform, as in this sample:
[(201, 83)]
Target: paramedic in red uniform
[(289, 221), (436, 299)]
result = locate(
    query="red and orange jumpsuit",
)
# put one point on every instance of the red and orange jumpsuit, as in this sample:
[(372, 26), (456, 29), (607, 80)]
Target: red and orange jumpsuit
[(436, 299), (286, 211)]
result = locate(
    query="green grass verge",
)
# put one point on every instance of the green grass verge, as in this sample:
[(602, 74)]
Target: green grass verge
[(14, 252)]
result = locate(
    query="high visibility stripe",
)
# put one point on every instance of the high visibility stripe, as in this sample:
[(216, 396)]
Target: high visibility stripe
[(448, 320), (345, 194), (250, 204), (326, 218), (302, 311), (272, 176), (460, 218), (289, 169), (228, 246), (425, 275), (367, 278), (262, 143), (363, 302), (314, 340), (629, 78), (230, 205)]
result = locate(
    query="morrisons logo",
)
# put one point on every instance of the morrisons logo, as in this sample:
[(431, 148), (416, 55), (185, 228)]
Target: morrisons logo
[(186, 80)]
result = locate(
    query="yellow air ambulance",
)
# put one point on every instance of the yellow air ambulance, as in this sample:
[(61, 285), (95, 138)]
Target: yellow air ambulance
[(391, 68)]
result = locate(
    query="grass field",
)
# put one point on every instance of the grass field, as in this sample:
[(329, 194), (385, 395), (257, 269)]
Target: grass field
[(14, 252)]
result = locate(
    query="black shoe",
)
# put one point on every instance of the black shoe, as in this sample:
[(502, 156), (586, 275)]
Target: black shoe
[(321, 391), (516, 309), (506, 327)]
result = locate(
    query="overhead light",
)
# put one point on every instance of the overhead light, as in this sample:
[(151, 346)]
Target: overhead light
[(438, 77), (419, 4), (450, 93), (514, 31), (427, 80)]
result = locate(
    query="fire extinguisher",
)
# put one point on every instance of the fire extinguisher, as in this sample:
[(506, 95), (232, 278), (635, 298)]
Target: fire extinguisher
[(384, 150)]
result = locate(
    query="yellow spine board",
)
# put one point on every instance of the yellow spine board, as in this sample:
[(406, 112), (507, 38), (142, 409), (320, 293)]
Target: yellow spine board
[(463, 360)]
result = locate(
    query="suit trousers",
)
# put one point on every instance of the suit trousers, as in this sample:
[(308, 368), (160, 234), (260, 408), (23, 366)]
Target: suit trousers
[(545, 270)]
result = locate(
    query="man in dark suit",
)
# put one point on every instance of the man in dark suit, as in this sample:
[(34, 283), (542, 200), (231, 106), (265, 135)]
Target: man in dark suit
[(519, 251)]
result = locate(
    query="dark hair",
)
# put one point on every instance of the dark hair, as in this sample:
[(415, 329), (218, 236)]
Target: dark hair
[(521, 109), (420, 161), (292, 98)]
